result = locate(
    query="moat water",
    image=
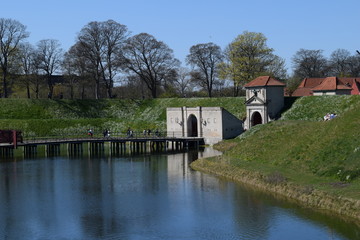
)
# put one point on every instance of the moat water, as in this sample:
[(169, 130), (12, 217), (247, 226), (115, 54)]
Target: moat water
[(146, 196)]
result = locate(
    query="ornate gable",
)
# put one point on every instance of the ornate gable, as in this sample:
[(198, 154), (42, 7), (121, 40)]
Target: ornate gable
[(254, 100)]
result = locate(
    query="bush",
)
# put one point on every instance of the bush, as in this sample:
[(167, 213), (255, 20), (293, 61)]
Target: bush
[(275, 178)]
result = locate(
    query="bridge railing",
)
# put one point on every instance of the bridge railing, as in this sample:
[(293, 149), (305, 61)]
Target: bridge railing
[(111, 135)]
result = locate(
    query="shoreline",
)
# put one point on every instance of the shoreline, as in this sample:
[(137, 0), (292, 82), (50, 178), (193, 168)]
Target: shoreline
[(302, 195)]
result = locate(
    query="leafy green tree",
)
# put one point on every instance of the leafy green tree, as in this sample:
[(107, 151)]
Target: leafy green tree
[(248, 57)]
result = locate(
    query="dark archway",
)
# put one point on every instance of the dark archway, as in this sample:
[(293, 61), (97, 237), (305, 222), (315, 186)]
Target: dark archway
[(192, 126), (256, 119)]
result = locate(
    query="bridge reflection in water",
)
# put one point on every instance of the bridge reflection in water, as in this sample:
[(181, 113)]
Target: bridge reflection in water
[(98, 146)]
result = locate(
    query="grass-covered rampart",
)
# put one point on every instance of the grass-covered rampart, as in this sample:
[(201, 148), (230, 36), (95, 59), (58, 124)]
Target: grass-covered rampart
[(319, 160), (44, 117)]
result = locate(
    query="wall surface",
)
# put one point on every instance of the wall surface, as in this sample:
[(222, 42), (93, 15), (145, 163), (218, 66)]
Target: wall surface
[(232, 126), (212, 123), (275, 101)]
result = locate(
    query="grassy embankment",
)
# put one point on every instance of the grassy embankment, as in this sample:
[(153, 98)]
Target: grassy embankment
[(301, 157), (43, 117)]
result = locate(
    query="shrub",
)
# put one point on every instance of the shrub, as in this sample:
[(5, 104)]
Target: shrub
[(275, 178)]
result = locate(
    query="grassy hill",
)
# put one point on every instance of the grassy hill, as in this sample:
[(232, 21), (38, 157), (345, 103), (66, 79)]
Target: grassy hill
[(43, 117), (304, 149)]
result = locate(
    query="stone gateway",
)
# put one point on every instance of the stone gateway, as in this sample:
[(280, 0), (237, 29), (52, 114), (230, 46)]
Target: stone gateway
[(264, 100), (211, 123)]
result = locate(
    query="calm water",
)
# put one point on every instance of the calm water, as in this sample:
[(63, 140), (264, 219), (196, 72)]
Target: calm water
[(145, 197)]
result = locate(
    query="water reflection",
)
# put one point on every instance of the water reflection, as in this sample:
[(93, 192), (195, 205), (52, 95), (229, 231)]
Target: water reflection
[(146, 196)]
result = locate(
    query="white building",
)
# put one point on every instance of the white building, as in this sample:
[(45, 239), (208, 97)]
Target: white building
[(212, 123), (264, 100)]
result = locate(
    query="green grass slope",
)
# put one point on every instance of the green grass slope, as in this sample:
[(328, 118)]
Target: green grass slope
[(302, 147), (314, 108), (43, 117)]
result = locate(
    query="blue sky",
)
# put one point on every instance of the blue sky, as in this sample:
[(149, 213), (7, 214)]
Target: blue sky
[(288, 24)]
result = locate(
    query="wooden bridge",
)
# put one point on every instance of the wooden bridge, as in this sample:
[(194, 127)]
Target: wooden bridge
[(96, 145)]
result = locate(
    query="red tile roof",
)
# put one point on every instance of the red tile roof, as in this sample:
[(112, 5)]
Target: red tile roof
[(331, 84), (354, 83), (356, 88), (308, 85), (310, 82), (299, 92), (263, 81)]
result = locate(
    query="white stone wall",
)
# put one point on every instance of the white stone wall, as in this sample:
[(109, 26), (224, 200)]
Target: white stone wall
[(232, 126), (175, 122), (260, 93), (250, 110), (275, 100), (331, 93), (211, 123)]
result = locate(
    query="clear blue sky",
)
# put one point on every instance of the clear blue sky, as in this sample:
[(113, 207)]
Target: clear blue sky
[(288, 24)]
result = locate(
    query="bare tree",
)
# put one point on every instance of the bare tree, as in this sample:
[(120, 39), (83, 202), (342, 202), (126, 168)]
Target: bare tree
[(91, 44), (153, 61), (28, 65), (276, 67), (309, 63), (49, 56), (115, 35), (183, 81), (78, 69), (70, 72), (75, 69), (102, 44), (339, 62), (12, 33), (354, 65), (205, 58)]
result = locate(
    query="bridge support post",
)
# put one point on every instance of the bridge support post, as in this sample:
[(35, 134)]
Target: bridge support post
[(52, 149), (75, 149), (30, 150), (6, 152), (96, 148)]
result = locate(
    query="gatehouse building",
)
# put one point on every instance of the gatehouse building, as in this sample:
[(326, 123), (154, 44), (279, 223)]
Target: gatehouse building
[(211, 123), (264, 100)]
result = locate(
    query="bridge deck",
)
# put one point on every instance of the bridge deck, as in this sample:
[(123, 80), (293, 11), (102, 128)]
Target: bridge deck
[(106, 139)]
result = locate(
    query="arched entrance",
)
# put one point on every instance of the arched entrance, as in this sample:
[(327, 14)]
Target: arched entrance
[(256, 119), (192, 126)]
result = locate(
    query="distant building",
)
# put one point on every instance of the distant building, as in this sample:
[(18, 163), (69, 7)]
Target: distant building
[(264, 100), (212, 123), (328, 86)]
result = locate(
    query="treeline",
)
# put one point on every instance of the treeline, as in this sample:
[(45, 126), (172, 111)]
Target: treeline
[(106, 61)]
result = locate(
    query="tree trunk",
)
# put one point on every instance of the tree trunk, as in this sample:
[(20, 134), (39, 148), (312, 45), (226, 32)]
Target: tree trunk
[(83, 92), (110, 92), (97, 90), (37, 91), (28, 90), (5, 84), (51, 87), (71, 92)]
